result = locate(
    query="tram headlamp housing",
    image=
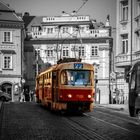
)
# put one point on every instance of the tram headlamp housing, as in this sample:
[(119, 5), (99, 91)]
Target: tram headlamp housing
[(69, 96), (89, 96), (61, 96)]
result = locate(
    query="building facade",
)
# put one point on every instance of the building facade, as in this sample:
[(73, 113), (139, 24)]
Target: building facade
[(128, 37), (68, 36), (11, 48)]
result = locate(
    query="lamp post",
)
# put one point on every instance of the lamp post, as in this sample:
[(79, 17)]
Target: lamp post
[(97, 94)]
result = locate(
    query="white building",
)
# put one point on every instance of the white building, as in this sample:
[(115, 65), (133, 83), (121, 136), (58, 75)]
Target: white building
[(11, 51), (68, 36), (128, 36)]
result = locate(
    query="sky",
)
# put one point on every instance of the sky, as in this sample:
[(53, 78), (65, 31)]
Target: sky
[(96, 9)]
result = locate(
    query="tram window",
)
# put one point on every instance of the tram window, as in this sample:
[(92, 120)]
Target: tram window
[(133, 78), (75, 77), (82, 78), (54, 75)]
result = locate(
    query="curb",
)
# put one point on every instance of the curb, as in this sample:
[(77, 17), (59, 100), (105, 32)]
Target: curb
[(116, 107)]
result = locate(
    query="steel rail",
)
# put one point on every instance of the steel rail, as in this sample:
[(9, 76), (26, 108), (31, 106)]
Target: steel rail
[(112, 124), (85, 131), (114, 115)]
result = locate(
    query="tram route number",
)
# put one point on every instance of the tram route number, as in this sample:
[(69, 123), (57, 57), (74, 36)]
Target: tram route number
[(80, 96)]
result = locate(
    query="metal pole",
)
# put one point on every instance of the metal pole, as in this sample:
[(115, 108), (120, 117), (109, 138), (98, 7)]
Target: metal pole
[(13, 92), (131, 31), (37, 63)]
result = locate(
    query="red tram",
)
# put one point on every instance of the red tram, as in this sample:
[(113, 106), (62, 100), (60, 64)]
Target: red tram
[(67, 86)]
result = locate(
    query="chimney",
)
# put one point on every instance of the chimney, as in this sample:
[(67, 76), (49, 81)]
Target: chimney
[(107, 21), (26, 14)]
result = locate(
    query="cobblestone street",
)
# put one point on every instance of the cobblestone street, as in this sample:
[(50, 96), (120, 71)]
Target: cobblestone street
[(31, 121), (21, 121)]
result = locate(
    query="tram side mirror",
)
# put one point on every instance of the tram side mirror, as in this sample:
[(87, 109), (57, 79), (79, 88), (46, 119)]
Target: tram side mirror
[(96, 81)]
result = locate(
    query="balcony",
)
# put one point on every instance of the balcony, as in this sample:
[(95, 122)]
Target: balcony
[(7, 47), (136, 56), (122, 60), (92, 33)]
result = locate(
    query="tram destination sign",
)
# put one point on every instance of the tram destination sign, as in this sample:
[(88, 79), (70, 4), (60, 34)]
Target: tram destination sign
[(78, 66)]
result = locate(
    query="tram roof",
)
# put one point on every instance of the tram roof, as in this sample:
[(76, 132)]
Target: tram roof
[(69, 65)]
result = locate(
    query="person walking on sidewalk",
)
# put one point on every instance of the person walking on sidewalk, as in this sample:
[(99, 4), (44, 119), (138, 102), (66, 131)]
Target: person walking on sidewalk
[(22, 98), (117, 95), (31, 95)]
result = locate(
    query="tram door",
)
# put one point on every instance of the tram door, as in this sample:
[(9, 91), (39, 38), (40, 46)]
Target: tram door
[(55, 86), (132, 94), (43, 87)]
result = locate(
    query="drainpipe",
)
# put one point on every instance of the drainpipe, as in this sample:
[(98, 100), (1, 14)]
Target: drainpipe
[(131, 32)]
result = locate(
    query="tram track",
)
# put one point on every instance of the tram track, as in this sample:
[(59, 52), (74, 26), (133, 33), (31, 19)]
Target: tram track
[(91, 127), (128, 119), (85, 131), (104, 122)]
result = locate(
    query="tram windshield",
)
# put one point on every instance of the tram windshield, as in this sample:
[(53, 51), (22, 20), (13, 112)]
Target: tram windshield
[(76, 77)]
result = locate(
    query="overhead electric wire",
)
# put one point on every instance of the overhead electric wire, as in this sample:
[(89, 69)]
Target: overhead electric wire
[(84, 2)]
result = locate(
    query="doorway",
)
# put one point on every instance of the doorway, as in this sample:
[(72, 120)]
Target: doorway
[(7, 87)]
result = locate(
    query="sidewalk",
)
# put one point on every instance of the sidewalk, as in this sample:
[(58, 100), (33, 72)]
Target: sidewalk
[(117, 107)]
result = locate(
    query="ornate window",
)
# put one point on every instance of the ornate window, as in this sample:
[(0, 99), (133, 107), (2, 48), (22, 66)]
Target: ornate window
[(124, 10), (94, 51), (49, 51), (138, 7), (81, 51), (124, 43), (7, 61), (50, 30), (7, 37), (65, 30), (65, 51), (37, 53)]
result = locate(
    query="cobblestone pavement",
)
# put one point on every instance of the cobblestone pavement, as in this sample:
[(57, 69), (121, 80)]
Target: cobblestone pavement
[(29, 121)]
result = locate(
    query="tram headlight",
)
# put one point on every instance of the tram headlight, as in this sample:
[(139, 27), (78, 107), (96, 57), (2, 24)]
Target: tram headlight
[(61, 96), (138, 94), (69, 96), (89, 96)]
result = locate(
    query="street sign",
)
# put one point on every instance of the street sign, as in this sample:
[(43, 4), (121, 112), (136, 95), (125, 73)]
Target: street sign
[(113, 75)]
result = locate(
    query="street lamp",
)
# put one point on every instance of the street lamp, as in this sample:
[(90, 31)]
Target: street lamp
[(97, 94)]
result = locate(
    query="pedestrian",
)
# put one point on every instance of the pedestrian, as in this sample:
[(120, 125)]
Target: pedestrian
[(117, 95), (31, 95), (121, 97), (26, 95), (22, 98)]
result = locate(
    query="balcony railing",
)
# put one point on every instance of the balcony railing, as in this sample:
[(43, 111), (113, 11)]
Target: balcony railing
[(123, 60), (136, 56), (7, 47), (89, 33)]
